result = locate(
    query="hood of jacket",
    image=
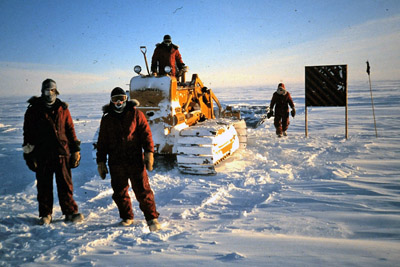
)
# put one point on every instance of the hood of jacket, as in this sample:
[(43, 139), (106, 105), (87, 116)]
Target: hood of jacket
[(39, 101), (166, 46)]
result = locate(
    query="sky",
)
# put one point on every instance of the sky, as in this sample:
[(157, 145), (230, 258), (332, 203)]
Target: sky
[(92, 46)]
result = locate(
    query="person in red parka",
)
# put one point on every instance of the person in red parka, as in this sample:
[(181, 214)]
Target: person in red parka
[(124, 134), (51, 147), (281, 100), (167, 54)]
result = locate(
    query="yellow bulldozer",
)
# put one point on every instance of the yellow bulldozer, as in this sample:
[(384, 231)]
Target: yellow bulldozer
[(187, 120)]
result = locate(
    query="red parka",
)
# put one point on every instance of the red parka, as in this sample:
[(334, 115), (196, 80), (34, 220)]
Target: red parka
[(49, 130), (123, 136), (281, 103), (166, 56)]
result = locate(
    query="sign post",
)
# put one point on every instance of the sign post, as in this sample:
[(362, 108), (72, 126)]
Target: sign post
[(326, 86), (372, 99)]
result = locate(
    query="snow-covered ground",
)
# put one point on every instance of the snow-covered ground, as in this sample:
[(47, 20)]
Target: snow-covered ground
[(294, 201)]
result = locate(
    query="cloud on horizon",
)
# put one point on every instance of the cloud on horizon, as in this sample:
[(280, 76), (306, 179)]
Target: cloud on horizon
[(375, 40), (26, 79)]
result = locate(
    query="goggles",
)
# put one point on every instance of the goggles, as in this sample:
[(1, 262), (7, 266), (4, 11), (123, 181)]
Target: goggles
[(120, 98), (49, 91)]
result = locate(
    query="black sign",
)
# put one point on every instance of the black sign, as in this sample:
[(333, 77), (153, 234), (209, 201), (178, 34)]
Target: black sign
[(326, 85)]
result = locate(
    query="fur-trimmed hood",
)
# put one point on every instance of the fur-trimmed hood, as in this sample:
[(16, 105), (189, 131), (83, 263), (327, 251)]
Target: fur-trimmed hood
[(129, 104), (166, 46), (39, 101)]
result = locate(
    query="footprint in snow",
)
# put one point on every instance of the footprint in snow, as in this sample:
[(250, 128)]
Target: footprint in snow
[(231, 257)]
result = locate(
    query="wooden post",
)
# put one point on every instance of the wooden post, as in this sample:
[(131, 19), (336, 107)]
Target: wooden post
[(306, 115), (305, 109), (372, 99), (372, 103), (347, 130), (347, 114)]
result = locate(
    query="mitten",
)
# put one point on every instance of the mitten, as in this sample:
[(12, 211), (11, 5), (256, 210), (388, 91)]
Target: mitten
[(270, 114), (149, 160), (75, 159), (102, 169), (30, 161), (293, 112), (30, 157)]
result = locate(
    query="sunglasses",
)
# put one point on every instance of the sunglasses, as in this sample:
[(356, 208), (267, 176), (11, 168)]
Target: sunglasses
[(120, 98)]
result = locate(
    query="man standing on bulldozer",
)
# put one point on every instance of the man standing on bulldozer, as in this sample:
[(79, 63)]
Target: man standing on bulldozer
[(167, 54)]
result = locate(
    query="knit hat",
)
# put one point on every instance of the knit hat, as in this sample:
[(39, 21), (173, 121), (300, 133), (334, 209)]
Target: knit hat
[(117, 91), (167, 39)]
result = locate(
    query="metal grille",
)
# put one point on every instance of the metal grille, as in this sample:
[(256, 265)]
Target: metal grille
[(326, 85)]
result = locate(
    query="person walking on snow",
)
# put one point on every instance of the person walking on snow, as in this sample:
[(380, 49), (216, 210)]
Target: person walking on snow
[(281, 100), (51, 147), (124, 133), (167, 54)]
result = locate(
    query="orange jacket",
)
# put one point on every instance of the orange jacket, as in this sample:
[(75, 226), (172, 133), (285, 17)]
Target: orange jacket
[(166, 56)]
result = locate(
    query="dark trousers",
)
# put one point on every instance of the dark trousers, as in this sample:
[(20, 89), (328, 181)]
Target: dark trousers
[(137, 175), (281, 122), (44, 177)]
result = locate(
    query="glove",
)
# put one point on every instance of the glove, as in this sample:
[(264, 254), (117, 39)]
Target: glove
[(270, 114), (29, 157), (75, 159), (102, 169), (149, 160), (31, 161), (293, 112)]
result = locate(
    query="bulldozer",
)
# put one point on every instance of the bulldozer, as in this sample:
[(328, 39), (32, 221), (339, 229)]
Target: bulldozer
[(187, 119)]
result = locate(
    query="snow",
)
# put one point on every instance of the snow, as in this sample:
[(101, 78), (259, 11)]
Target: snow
[(292, 201)]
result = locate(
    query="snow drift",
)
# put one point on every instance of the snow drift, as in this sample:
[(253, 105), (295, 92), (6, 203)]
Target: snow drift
[(294, 201)]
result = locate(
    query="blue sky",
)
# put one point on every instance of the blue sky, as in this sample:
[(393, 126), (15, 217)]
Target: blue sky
[(92, 46)]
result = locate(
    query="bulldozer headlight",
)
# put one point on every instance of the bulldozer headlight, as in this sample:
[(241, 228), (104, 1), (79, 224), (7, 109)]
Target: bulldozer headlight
[(167, 69), (137, 69), (167, 131)]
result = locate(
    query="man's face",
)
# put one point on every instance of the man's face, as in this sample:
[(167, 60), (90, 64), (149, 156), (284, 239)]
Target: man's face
[(119, 101), (50, 94), (49, 91)]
